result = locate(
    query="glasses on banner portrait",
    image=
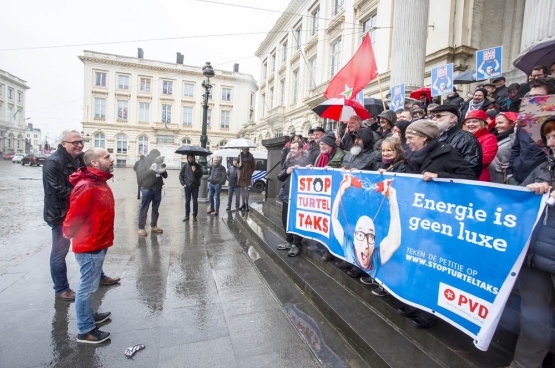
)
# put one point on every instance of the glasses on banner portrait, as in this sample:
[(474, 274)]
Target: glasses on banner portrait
[(360, 236)]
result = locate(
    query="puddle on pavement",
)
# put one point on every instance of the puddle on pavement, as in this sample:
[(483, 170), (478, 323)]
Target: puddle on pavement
[(253, 254)]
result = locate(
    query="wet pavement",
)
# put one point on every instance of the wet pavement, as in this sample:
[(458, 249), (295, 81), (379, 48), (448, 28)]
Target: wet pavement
[(191, 294)]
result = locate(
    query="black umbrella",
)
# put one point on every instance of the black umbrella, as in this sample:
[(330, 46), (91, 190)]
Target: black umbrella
[(374, 106), (466, 77), (193, 150), (542, 54)]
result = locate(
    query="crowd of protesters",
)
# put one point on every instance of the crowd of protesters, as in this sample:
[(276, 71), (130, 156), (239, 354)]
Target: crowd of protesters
[(472, 138)]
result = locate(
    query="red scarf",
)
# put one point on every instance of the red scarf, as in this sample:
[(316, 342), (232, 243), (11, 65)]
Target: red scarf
[(323, 161)]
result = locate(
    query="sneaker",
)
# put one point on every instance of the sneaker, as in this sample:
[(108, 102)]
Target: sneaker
[(101, 317), (294, 251), (142, 232), (156, 229), (93, 337), (216, 213), (210, 211), (186, 218), (367, 280), (284, 246), (110, 281), (194, 219), (380, 291), (68, 295)]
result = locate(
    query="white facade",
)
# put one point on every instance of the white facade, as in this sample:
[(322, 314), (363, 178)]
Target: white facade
[(33, 138), (133, 105), (313, 40), (12, 113)]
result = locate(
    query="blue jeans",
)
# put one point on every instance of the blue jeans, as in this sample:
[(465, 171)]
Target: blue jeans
[(191, 192), (149, 195), (90, 267), (230, 191), (214, 190)]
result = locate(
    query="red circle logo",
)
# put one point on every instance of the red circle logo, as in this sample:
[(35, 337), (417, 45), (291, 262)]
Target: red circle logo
[(449, 294)]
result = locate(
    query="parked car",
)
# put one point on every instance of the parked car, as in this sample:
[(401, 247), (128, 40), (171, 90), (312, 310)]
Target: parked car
[(17, 158), (33, 159), (8, 156)]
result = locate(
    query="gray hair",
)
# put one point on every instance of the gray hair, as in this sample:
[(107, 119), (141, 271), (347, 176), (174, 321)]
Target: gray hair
[(218, 157), (65, 133)]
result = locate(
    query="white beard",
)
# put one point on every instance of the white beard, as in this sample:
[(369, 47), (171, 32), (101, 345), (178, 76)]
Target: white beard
[(356, 150)]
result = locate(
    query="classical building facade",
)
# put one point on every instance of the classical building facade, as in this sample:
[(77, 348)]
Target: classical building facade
[(133, 105), (313, 40), (33, 139), (12, 113)]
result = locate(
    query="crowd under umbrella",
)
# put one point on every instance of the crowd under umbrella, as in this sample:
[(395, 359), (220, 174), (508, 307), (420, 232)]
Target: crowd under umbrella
[(341, 109), (374, 106), (240, 143), (466, 77), (193, 150), (417, 92), (542, 54)]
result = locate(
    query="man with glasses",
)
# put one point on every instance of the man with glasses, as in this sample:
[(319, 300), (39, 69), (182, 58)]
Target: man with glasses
[(359, 247), (446, 117), (57, 189)]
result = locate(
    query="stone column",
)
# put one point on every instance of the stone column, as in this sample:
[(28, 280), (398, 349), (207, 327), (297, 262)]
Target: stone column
[(538, 25), (408, 51)]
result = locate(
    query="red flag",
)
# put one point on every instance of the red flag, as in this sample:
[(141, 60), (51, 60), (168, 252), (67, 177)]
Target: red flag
[(354, 76)]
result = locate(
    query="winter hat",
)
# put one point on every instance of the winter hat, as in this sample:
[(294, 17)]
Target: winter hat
[(402, 125), (511, 116), (483, 90), (449, 108), (389, 115), (423, 128), (477, 114), (329, 139)]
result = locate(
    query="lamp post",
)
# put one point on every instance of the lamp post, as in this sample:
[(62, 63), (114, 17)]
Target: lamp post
[(208, 72)]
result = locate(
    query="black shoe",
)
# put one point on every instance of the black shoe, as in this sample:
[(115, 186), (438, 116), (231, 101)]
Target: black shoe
[(380, 291), (408, 312), (424, 323), (242, 208), (194, 219), (186, 218), (284, 246), (294, 251), (367, 280), (93, 337), (247, 208), (327, 256), (344, 265), (355, 273), (101, 317)]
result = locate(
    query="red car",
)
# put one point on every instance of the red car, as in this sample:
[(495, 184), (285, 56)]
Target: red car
[(8, 156)]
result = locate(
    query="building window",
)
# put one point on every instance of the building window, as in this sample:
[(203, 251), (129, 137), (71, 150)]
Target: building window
[(284, 51), (123, 82), (121, 144), (263, 104), (144, 111), (312, 72), (224, 122), (226, 94), (167, 87), (166, 113), (122, 109), (271, 98), (315, 15), (186, 142), (145, 85), (252, 100), (208, 117), (337, 6), (282, 92), (100, 108), (264, 70), (100, 140), (188, 89), (335, 57), (142, 145), (222, 144), (273, 60), (100, 79), (187, 115), (10, 93), (369, 25), (1, 90), (10, 114), (295, 85), (298, 35), (19, 96), (1, 115)]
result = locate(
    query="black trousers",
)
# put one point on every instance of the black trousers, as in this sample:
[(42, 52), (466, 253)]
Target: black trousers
[(290, 238)]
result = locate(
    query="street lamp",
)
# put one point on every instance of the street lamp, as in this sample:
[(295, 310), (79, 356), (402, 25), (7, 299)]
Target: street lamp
[(208, 72)]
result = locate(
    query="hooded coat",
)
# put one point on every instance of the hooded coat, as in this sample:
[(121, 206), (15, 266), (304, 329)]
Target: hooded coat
[(488, 142), (526, 155), (365, 160), (90, 219)]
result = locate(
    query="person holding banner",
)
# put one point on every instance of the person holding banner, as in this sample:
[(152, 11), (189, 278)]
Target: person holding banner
[(476, 123), (359, 247), (505, 135), (536, 279)]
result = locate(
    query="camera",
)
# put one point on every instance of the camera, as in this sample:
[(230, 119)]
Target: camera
[(158, 166)]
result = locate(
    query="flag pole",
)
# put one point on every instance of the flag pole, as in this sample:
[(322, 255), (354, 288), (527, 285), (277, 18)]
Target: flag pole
[(381, 92)]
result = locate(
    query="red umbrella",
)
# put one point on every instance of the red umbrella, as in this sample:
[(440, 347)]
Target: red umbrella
[(341, 109), (417, 92)]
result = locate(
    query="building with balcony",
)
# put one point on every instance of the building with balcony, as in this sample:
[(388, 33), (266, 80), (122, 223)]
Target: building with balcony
[(12, 113), (33, 139), (313, 40), (133, 105)]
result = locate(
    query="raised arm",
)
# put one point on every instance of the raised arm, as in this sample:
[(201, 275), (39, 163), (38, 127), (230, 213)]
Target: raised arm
[(392, 241), (336, 225)]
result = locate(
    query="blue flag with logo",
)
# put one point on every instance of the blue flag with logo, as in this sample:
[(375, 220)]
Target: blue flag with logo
[(450, 247), (442, 80), (489, 63), (398, 97)]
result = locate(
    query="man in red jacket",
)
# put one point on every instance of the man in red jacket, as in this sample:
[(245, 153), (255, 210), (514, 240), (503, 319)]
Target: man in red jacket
[(90, 223)]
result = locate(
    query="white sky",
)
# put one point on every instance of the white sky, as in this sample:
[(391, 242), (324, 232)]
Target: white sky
[(55, 74)]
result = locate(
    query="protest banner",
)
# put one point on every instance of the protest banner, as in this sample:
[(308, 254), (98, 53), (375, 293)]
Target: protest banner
[(489, 63), (398, 97), (442, 80), (450, 247)]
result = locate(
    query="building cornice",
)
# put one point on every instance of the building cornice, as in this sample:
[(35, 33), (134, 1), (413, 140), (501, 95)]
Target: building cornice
[(13, 79), (278, 27)]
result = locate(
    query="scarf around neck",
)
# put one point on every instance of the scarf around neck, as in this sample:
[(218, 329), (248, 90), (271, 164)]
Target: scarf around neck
[(472, 106), (417, 158), (323, 161)]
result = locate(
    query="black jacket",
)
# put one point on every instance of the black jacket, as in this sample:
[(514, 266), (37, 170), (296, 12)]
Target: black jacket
[(454, 100), (466, 144), (57, 188), (366, 159), (526, 155), (191, 181), (217, 174), (442, 160), (313, 151), (147, 178), (232, 172), (464, 108), (283, 176)]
